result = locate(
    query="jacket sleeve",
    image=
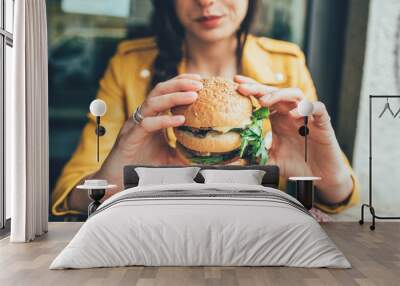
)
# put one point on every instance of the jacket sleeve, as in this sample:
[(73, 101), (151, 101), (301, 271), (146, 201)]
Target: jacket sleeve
[(307, 86), (83, 161)]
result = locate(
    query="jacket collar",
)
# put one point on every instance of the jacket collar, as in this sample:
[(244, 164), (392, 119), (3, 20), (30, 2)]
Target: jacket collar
[(256, 63)]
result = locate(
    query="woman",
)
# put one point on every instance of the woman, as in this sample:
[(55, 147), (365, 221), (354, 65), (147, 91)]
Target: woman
[(195, 39)]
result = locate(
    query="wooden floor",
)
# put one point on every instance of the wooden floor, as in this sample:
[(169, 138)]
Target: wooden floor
[(374, 255)]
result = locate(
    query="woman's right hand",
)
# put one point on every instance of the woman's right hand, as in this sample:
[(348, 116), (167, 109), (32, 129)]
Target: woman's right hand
[(144, 143)]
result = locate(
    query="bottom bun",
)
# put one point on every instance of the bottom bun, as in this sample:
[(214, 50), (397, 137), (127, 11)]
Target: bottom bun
[(184, 157)]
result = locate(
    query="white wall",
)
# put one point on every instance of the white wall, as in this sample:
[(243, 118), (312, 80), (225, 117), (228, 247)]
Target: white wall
[(381, 75)]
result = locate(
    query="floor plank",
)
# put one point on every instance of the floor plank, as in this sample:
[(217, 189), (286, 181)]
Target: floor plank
[(374, 255)]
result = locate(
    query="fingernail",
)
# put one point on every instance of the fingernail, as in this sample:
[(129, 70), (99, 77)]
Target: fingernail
[(264, 99), (197, 75), (191, 94), (179, 118), (247, 86), (197, 84)]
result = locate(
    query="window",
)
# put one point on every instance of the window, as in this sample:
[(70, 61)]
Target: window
[(6, 43)]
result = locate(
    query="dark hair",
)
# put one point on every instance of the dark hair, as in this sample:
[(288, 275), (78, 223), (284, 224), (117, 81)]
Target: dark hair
[(169, 34)]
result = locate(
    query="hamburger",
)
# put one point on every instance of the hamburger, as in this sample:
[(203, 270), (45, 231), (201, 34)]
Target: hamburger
[(221, 127)]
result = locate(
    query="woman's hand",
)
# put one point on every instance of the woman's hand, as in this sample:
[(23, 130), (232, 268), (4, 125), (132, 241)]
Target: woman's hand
[(144, 143), (287, 150)]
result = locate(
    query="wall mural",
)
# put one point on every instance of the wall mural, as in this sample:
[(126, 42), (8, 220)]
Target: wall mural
[(83, 41)]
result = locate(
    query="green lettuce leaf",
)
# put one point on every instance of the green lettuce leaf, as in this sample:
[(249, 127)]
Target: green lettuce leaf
[(253, 142)]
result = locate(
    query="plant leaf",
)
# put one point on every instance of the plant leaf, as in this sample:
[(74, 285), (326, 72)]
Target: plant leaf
[(253, 144), (261, 113), (243, 146)]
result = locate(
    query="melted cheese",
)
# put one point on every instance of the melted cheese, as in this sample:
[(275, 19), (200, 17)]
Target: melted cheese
[(225, 129), (254, 102)]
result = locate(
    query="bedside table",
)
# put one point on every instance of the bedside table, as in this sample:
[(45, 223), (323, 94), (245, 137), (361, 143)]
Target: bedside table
[(96, 191), (305, 190)]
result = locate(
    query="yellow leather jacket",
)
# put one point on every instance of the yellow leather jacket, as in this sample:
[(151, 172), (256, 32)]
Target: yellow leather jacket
[(125, 85)]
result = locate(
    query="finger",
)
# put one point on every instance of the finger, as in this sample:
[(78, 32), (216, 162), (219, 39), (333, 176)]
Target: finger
[(176, 85), (243, 79), (294, 95), (151, 124), (192, 76), (297, 117), (255, 89), (321, 115), (294, 113), (156, 104)]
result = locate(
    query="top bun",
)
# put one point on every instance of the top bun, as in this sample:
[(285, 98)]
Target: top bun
[(218, 105)]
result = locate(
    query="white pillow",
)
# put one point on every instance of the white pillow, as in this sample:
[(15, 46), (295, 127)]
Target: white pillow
[(163, 176), (248, 177)]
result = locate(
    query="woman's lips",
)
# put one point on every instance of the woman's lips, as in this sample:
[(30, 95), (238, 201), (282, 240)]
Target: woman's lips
[(210, 22)]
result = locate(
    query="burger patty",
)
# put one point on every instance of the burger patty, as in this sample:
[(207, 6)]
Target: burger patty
[(208, 158), (213, 141), (203, 132)]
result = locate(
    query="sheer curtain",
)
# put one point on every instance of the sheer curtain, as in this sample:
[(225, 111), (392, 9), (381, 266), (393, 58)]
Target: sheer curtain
[(27, 124)]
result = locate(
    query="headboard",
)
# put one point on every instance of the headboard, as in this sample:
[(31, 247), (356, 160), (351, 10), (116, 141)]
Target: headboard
[(270, 179)]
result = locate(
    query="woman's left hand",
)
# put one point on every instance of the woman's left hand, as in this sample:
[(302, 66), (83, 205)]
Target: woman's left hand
[(287, 149)]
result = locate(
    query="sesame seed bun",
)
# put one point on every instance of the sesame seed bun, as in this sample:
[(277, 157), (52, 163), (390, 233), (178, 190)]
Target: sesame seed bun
[(218, 105)]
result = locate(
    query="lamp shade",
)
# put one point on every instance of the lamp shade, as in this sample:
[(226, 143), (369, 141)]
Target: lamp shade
[(98, 107)]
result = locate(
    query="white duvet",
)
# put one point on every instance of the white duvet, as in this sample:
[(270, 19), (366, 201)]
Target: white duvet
[(201, 224)]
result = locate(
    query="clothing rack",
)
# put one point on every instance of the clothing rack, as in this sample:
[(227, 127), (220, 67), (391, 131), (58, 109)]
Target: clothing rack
[(369, 205)]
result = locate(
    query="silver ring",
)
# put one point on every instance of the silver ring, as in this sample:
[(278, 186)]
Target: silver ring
[(137, 115)]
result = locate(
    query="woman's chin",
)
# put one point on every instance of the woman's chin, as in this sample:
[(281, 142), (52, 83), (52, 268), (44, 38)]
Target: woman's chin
[(211, 36)]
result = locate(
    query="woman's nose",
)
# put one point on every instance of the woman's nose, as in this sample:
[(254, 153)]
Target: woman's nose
[(205, 3)]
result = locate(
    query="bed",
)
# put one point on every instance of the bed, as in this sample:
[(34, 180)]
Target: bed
[(199, 224)]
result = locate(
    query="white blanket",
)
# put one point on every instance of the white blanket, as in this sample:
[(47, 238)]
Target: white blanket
[(201, 224)]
